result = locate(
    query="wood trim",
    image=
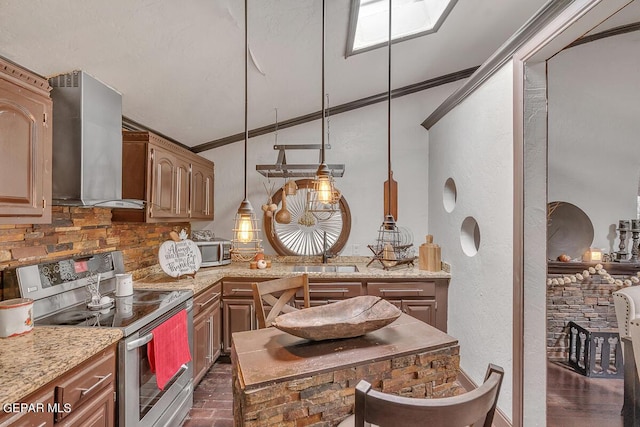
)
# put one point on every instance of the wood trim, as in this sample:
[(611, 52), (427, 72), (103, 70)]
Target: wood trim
[(168, 144), (547, 13), (131, 125), (623, 29), (338, 109), (499, 420), (19, 75), (623, 268), (517, 411)]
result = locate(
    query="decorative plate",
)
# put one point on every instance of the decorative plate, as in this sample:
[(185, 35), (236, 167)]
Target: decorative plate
[(569, 230), (179, 258)]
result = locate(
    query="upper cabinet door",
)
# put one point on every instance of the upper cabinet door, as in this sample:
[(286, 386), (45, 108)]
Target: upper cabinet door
[(183, 184), (25, 155), (202, 191), (163, 184)]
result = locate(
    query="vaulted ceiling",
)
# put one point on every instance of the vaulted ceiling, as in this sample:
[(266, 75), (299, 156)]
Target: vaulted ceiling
[(179, 65)]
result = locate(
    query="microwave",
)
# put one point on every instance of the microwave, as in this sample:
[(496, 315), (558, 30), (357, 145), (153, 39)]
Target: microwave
[(215, 252)]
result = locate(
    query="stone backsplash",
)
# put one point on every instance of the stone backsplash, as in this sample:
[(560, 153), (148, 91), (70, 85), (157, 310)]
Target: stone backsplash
[(76, 231), (587, 302)]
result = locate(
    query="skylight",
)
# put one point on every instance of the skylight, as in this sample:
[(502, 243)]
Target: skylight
[(369, 22)]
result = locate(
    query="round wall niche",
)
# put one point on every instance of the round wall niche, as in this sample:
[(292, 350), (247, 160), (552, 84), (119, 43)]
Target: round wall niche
[(470, 236), (449, 195)]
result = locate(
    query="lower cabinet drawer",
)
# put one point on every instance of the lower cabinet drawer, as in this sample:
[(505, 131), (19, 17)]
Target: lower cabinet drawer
[(99, 413), (401, 289), (333, 290), (237, 289), (206, 298), (87, 381)]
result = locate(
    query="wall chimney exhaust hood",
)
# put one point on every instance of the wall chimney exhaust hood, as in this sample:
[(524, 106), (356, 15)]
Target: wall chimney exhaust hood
[(87, 143)]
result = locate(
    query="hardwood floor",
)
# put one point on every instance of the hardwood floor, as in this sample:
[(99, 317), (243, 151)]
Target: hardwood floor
[(572, 399), (576, 400)]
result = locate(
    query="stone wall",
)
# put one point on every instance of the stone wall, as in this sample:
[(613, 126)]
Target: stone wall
[(325, 399), (587, 302), (76, 231)]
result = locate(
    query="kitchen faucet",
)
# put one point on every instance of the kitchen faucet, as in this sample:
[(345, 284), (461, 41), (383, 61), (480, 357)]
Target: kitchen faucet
[(325, 254)]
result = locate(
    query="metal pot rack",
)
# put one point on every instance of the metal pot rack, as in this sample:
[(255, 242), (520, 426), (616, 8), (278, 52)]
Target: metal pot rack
[(281, 169)]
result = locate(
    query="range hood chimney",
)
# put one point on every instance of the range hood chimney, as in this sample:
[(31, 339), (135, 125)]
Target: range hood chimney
[(87, 143)]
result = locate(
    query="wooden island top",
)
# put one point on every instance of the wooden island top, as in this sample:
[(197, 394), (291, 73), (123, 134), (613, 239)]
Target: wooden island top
[(267, 356), (278, 377)]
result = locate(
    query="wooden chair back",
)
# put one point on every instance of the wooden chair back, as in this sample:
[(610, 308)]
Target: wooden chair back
[(287, 287), (474, 408)]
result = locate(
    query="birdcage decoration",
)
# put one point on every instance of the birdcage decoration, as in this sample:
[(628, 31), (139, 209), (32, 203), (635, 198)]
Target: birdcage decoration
[(393, 246)]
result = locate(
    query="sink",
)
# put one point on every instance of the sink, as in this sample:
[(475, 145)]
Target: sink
[(325, 268)]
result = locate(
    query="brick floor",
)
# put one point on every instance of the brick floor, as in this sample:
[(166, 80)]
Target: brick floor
[(213, 399)]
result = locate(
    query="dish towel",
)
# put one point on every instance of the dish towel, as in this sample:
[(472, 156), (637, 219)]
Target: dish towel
[(169, 348)]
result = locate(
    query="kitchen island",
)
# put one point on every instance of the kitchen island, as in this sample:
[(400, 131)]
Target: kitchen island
[(279, 378)]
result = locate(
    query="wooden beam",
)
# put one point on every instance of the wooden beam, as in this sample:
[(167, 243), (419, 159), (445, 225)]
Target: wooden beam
[(338, 109)]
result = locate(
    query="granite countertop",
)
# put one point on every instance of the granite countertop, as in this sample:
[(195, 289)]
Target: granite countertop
[(282, 267), (31, 361)]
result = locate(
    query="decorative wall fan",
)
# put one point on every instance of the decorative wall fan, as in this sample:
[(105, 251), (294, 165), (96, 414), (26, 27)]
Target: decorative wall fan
[(304, 233)]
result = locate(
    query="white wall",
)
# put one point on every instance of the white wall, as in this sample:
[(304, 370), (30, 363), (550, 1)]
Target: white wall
[(473, 144), (594, 132), (359, 140)]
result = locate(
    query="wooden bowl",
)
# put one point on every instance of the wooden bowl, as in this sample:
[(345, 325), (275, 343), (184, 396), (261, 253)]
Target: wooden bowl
[(343, 319)]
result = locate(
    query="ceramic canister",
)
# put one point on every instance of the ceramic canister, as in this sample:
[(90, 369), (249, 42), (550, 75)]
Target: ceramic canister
[(124, 285), (16, 317)]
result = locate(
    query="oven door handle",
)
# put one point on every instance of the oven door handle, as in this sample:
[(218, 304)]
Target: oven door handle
[(139, 342)]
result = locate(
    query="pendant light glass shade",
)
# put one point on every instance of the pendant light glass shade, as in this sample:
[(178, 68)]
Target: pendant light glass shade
[(246, 232), (325, 197), (246, 223)]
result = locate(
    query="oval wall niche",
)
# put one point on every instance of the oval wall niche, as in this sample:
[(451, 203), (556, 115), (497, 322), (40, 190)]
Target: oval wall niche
[(449, 195), (470, 236)]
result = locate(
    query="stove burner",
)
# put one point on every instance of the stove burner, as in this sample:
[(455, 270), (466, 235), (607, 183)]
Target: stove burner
[(124, 311)]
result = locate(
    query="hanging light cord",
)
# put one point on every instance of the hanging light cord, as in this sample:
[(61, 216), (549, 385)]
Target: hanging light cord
[(323, 105), (389, 114), (246, 97)]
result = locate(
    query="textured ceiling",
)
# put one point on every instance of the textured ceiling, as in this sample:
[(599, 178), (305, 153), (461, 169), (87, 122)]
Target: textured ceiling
[(179, 64)]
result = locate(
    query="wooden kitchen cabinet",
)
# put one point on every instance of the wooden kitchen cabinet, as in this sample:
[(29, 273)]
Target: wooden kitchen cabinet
[(84, 396), (16, 418), (88, 392), (99, 413), (238, 309), (202, 176), (424, 300), (25, 144), (238, 316), (206, 331), (162, 174)]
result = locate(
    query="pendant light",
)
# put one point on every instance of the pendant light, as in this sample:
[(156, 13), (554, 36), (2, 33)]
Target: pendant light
[(325, 196), (388, 233), (246, 234)]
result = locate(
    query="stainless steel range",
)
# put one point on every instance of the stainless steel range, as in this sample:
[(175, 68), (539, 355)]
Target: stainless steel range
[(64, 293)]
